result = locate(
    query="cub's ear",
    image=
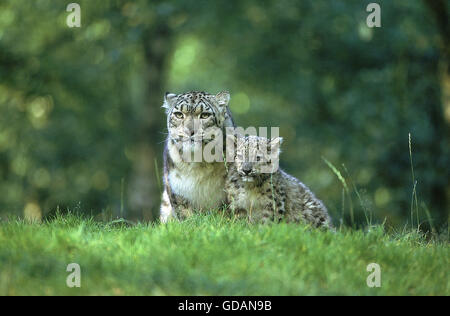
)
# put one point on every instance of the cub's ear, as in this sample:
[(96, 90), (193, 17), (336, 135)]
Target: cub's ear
[(168, 100), (223, 98)]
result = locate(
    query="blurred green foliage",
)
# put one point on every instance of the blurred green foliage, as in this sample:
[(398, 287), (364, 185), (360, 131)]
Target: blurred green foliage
[(80, 117)]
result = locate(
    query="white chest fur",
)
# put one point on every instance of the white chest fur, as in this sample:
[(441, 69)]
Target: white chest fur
[(200, 183), (250, 198)]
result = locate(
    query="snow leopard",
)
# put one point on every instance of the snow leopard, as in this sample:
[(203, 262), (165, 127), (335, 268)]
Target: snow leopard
[(257, 189), (193, 186)]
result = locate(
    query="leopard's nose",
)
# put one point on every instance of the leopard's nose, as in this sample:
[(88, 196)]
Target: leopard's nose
[(247, 168)]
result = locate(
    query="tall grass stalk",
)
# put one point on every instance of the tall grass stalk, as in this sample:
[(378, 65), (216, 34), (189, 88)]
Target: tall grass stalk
[(430, 219), (414, 192), (345, 187), (363, 206)]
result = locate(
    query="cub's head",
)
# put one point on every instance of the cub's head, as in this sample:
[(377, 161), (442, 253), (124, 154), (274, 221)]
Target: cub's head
[(255, 157), (193, 117)]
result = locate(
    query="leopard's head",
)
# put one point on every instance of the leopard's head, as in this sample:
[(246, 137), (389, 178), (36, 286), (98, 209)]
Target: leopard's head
[(194, 118), (256, 157)]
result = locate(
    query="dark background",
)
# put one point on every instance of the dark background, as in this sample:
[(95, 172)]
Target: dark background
[(81, 124)]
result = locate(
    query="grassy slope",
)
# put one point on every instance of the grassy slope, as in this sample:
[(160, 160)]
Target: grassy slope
[(208, 255)]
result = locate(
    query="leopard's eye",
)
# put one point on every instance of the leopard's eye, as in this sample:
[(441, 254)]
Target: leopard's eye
[(205, 115), (178, 115)]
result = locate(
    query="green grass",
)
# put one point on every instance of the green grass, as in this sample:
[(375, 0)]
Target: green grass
[(211, 255)]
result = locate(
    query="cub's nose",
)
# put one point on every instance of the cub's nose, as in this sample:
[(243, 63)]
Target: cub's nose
[(247, 168)]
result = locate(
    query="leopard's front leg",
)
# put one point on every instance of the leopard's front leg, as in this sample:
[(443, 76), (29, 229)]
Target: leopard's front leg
[(182, 208)]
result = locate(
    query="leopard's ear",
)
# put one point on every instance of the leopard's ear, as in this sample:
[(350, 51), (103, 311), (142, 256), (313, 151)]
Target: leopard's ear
[(275, 143), (277, 140), (222, 99), (230, 146), (231, 138), (169, 98)]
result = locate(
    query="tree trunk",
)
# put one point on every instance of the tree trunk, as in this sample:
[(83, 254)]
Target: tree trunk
[(144, 191), (441, 119)]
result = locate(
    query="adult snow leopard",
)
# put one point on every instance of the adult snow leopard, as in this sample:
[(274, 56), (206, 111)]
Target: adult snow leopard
[(193, 186)]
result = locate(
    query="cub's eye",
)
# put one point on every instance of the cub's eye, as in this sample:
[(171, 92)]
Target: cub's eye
[(258, 158), (178, 115), (205, 115)]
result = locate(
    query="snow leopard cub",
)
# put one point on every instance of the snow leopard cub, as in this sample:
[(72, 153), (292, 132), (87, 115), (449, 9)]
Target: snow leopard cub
[(258, 190)]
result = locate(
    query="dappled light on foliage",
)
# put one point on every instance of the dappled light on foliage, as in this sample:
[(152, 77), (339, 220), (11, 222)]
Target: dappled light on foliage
[(80, 108)]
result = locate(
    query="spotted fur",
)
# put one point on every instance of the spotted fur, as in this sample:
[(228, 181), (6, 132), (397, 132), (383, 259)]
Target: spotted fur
[(269, 197), (193, 186)]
